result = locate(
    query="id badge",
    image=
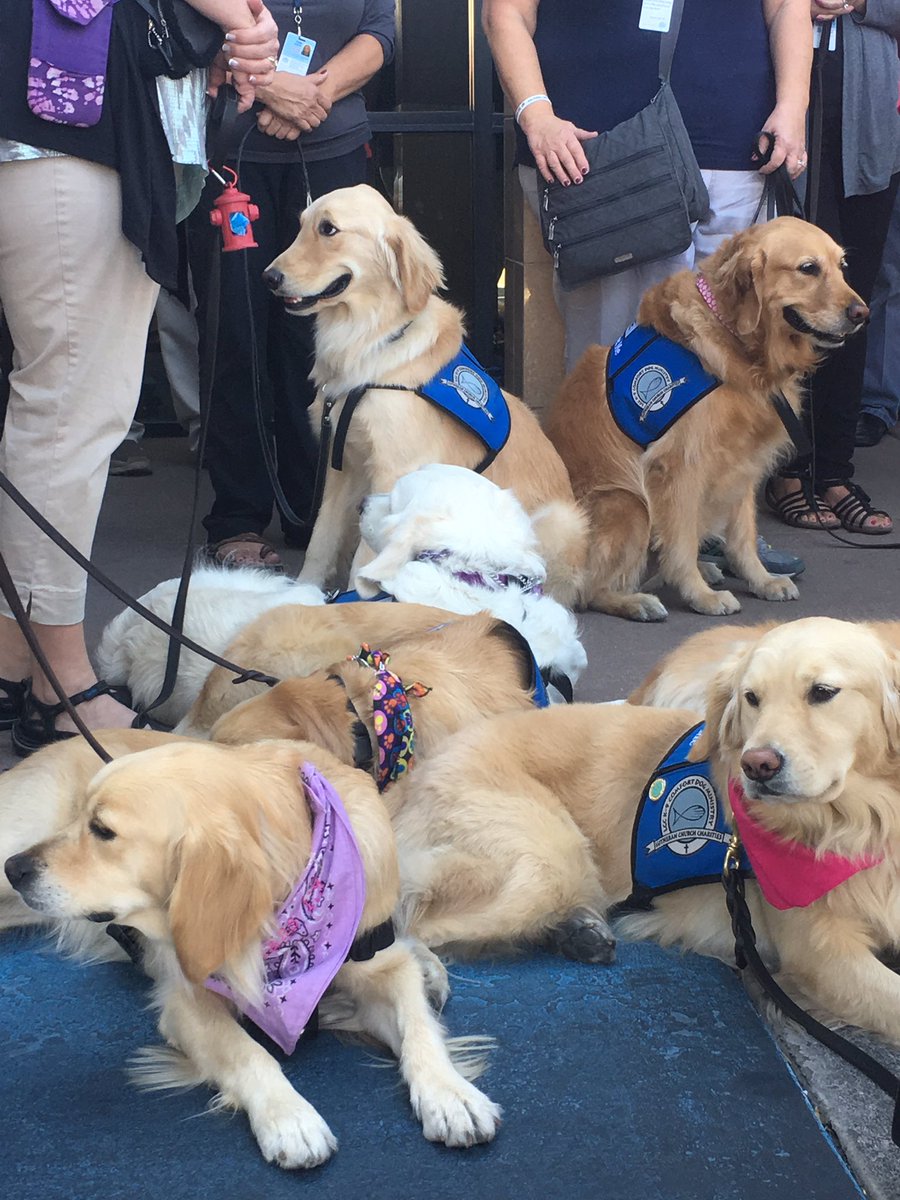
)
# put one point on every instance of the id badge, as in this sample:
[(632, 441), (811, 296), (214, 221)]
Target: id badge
[(296, 54), (656, 15)]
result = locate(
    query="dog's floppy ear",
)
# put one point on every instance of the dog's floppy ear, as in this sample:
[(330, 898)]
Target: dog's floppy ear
[(415, 268), (722, 732), (221, 898), (405, 540), (735, 279)]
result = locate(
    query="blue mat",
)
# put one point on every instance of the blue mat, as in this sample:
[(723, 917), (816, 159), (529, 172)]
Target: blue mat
[(650, 1080)]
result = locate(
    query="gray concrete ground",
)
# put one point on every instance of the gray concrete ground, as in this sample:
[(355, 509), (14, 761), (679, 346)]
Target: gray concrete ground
[(140, 541)]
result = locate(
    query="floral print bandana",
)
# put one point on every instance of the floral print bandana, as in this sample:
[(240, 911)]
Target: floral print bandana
[(391, 715), (316, 925), (67, 67)]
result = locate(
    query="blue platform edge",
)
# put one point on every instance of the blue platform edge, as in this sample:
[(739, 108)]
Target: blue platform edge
[(653, 1079)]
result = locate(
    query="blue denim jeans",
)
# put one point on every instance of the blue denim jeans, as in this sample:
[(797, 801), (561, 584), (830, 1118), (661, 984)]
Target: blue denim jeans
[(881, 382)]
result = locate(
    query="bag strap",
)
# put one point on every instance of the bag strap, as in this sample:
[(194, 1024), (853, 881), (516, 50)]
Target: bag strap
[(668, 41)]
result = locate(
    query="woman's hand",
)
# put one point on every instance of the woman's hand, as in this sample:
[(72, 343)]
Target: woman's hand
[(277, 127), (788, 127), (555, 144), (827, 10), (248, 57), (301, 100)]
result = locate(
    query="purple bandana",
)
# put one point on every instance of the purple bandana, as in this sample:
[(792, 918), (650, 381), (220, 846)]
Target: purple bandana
[(67, 68), (391, 716), (315, 926), (494, 582)]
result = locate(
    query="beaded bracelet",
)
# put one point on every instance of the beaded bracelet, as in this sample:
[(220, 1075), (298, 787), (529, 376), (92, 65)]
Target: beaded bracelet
[(527, 101)]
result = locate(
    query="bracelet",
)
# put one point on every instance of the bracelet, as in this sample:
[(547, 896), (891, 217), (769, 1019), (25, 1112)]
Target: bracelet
[(526, 102)]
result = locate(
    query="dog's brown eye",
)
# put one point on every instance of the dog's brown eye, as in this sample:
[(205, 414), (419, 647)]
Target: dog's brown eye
[(98, 829), (327, 229), (752, 699), (810, 268), (820, 693)]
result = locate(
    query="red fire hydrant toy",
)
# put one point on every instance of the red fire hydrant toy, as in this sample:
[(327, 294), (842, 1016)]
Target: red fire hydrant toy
[(233, 213)]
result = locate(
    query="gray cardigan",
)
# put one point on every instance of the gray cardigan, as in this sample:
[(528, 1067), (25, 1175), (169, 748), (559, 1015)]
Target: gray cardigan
[(870, 124)]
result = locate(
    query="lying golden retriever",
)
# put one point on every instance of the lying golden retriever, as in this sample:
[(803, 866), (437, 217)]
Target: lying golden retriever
[(776, 301), (520, 829), (372, 282), (197, 847), (681, 679), (296, 640), (472, 668)]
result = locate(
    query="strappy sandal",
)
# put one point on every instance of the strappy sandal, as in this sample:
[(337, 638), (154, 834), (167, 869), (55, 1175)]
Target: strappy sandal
[(855, 509), (233, 552), (800, 509), (12, 701), (36, 725)]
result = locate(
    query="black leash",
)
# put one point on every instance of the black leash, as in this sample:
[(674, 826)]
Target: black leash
[(747, 955)]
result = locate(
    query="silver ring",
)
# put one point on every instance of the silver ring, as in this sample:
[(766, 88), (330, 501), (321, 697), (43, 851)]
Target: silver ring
[(272, 59)]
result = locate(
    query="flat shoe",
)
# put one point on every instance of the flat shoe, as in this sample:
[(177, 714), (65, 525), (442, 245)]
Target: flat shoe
[(245, 550), (869, 429), (36, 725), (800, 509), (855, 509)]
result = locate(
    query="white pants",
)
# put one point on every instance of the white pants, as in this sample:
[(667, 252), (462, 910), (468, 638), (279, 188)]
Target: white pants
[(598, 311), (78, 302)]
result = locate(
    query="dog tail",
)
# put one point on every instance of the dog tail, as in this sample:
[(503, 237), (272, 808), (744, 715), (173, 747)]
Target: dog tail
[(561, 529)]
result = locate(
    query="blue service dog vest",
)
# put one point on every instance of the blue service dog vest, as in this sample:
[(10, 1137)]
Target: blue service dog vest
[(464, 390), (680, 835), (651, 382)]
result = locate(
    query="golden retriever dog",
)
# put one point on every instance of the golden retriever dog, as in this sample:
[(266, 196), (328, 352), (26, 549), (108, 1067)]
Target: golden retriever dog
[(294, 640), (473, 668), (372, 282), (520, 828), (778, 302), (682, 677), (196, 846)]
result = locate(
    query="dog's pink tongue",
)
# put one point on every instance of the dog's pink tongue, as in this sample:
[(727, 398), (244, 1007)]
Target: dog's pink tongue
[(789, 874)]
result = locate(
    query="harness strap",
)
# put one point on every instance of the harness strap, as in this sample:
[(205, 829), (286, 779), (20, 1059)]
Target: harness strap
[(363, 757), (370, 943), (793, 425), (747, 955)]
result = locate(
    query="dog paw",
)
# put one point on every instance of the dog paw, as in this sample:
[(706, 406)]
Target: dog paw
[(716, 604), (455, 1113), (584, 937), (778, 587), (434, 975), (292, 1135), (643, 606), (710, 572)]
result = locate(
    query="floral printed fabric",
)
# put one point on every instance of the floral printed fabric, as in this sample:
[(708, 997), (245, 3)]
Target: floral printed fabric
[(315, 927), (392, 716), (67, 68)]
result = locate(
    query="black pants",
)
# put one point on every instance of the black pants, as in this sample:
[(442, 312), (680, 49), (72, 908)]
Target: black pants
[(860, 224), (243, 492)]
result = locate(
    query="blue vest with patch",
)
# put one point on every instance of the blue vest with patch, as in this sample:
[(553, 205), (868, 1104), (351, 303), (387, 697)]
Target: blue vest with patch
[(680, 835), (464, 389), (651, 382)]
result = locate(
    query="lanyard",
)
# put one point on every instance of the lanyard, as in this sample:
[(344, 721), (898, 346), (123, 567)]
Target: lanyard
[(298, 15)]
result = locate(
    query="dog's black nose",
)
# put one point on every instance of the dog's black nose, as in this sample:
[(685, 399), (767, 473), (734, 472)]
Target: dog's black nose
[(273, 278), (762, 765), (857, 312), (20, 868)]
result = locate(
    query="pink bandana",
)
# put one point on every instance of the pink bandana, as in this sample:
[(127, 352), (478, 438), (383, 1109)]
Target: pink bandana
[(315, 926), (789, 874)]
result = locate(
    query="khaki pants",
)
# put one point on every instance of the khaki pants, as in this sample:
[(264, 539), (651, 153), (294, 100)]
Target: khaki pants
[(78, 303)]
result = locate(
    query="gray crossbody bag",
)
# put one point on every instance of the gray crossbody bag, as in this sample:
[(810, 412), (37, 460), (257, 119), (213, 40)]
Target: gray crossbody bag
[(642, 192)]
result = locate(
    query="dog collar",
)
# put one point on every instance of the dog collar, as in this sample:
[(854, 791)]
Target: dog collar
[(391, 715), (527, 584), (315, 927), (790, 875), (711, 303)]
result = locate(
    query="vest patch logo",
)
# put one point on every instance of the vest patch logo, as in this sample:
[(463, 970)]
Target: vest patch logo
[(471, 389), (652, 388), (687, 821)]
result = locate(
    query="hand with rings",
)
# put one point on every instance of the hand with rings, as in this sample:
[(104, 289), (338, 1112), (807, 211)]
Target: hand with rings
[(787, 124)]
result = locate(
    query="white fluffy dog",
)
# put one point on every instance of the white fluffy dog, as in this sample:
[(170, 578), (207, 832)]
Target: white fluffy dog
[(220, 603), (446, 536)]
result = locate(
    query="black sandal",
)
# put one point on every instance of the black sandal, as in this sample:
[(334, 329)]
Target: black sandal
[(12, 703), (856, 508), (35, 726), (793, 507)]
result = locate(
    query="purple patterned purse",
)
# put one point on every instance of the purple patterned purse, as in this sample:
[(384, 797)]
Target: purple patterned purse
[(67, 68)]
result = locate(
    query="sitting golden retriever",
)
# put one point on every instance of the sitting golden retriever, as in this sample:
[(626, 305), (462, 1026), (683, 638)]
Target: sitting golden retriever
[(224, 858), (773, 300), (372, 282), (520, 829), (472, 668)]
